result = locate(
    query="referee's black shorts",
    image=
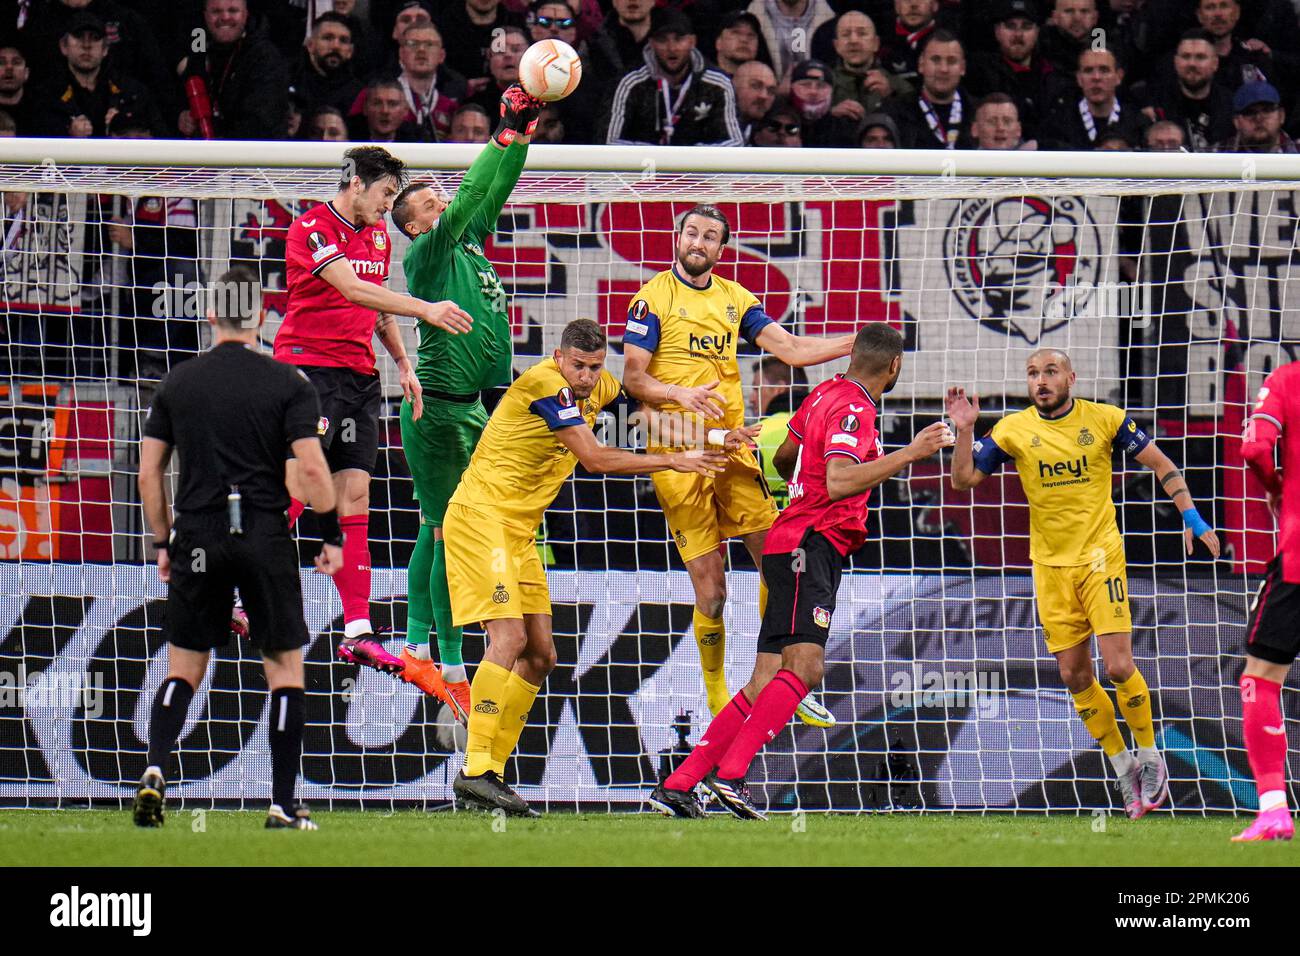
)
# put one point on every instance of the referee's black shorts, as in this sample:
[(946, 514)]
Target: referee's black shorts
[(208, 563), (1273, 626), (801, 590), (349, 405)]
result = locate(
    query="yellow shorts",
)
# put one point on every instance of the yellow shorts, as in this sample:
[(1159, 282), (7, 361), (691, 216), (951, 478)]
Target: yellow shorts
[(703, 512), (493, 571), (1075, 603)]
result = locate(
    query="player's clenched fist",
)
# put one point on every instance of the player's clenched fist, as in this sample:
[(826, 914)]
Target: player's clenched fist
[(448, 316), (963, 411), (929, 440)]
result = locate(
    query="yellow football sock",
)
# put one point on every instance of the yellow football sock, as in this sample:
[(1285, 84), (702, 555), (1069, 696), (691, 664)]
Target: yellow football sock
[(486, 695), (762, 598), (1135, 705), (516, 703), (711, 638), (1098, 715)]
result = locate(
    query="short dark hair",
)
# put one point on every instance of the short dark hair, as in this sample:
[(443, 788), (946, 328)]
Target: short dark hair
[(371, 164), (235, 299), (708, 212), (996, 99), (1114, 55), (471, 108), (1196, 33), (940, 35), (875, 346), (583, 335), (329, 16), (402, 204)]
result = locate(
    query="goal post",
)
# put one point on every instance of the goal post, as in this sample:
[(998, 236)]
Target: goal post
[(1169, 278)]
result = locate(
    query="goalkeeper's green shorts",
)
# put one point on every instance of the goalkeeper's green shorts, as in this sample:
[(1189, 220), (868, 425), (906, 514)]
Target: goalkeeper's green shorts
[(438, 448)]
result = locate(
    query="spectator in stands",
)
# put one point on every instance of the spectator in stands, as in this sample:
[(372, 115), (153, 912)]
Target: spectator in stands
[(411, 13), (468, 28), (556, 19), (7, 125), (938, 117), (914, 21), (366, 52), (247, 82), (298, 109), (1258, 117), (810, 93), (755, 85), (469, 124), (1241, 60), (15, 96), (1068, 31), (1165, 136), (625, 31), (787, 27), (550, 125), (503, 67), (738, 41), (1082, 124), (430, 91), (1192, 97), (997, 124), (131, 43), (879, 131), (781, 126), (324, 75), (327, 124), (778, 391), (385, 117), (676, 98), (860, 83), (1015, 67), (85, 96)]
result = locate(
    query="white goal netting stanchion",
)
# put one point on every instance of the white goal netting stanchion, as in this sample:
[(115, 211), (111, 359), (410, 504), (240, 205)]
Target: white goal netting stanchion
[(1175, 296)]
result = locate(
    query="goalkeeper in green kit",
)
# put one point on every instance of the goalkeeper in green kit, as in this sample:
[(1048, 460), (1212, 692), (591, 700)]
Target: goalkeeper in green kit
[(441, 429)]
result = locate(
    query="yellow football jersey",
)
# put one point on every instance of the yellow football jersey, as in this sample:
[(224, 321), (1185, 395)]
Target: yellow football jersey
[(1064, 467), (694, 334), (519, 465)]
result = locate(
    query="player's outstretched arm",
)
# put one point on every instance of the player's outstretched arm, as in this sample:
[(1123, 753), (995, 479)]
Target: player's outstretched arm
[(1171, 479), (445, 315), (964, 413), (799, 351), (644, 387), (844, 478), (602, 460)]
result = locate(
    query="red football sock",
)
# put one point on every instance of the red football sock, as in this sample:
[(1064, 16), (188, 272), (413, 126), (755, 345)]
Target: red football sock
[(296, 508), (712, 746), (1261, 709), (353, 579), (772, 711)]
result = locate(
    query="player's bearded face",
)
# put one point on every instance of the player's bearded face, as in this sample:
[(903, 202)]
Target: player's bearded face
[(698, 249), (580, 369), (1049, 386), (893, 379)]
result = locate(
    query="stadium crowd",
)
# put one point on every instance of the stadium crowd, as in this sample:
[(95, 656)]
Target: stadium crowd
[(1162, 75)]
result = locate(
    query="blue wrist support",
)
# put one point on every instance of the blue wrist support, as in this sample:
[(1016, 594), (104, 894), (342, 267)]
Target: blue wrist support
[(1194, 521)]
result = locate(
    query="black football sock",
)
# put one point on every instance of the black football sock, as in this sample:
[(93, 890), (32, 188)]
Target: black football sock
[(287, 707), (170, 705)]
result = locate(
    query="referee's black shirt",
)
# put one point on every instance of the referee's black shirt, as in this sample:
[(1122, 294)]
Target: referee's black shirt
[(232, 415)]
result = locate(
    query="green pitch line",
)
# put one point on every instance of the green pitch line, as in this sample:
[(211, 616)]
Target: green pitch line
[(373, 838)]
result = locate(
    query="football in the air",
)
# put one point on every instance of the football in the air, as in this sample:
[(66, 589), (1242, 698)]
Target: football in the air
[(550, 70)]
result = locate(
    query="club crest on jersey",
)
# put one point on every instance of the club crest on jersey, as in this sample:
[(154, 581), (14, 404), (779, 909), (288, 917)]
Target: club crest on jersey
[(322, 425), (849, 423), (565, 397), (381, 241), (1085, 437), (153, 205), (1035, 442), (821, 617), (732, 315), (500, 595), (475, 248)]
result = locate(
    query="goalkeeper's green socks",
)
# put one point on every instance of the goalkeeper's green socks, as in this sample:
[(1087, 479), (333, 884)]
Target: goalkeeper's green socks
[(449, 635), (515, 705), (419, 607), (711, 638)]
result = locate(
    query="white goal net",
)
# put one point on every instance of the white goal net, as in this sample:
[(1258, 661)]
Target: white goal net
[(1174, 296)]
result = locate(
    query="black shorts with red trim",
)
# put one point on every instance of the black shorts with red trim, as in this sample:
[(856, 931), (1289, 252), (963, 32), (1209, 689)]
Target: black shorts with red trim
[(1273, 626), (801, 590), (349, 407)]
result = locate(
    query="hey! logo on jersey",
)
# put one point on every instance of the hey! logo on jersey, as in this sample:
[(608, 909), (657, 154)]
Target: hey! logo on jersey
[(710, 346), (1075, 467)]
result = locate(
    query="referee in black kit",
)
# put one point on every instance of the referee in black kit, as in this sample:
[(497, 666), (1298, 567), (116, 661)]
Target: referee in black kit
[(233, 415)]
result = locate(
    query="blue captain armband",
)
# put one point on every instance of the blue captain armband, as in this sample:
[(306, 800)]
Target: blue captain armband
[(1131, 436), (1193, 520), (988, 456)]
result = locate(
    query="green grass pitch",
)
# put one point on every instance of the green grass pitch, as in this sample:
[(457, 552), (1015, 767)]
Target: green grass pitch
[(414, 838)]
